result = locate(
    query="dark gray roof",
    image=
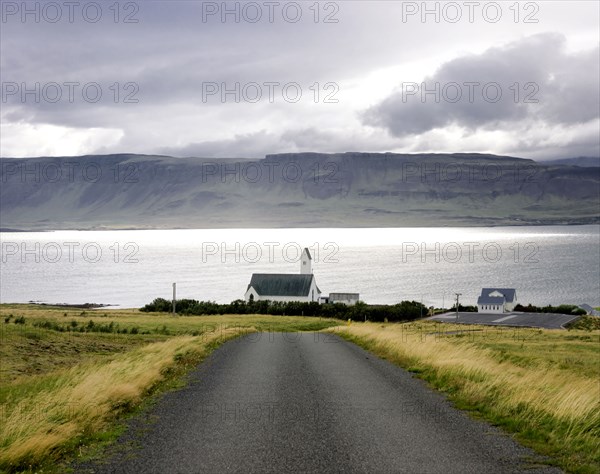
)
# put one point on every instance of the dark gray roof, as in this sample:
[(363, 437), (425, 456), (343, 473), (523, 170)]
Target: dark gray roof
[(490, 300), (308, 253), (281, 284), (343, 295), (485, 298), (589, 309)]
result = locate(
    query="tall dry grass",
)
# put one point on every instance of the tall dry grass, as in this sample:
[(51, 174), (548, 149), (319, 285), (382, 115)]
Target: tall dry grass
[(85, 398), (556, 410)]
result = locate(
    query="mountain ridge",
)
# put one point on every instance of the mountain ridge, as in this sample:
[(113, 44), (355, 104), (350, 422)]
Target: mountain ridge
[(311, 189)]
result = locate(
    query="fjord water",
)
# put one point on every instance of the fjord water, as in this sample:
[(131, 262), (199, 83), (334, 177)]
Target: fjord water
[(129, 268)]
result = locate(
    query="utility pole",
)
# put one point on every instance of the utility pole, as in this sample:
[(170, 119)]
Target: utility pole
[(174, 297), (457, 295)]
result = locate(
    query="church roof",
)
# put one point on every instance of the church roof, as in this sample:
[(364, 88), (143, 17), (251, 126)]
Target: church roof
[(281, 284), (307, 253)]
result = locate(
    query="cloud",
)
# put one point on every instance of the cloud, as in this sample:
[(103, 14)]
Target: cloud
[(170, 53), (530, 81), (51, 140), (261, 143), (251, 145)]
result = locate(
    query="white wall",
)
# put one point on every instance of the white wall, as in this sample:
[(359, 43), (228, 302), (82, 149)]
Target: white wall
[(251, 291), (495, 309), (285, 299), (303, 299), (349, 302), (305, 264)]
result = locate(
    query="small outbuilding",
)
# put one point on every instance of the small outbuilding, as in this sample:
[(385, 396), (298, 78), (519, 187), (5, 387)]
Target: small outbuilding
[(345, 298)]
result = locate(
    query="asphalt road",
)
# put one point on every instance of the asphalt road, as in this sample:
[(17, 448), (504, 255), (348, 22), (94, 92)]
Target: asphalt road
[(534, 320), (305, 402)]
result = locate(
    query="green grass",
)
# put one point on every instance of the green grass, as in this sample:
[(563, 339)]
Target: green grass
[(157, 323), (28, 351), (575, 353), (587, 323)]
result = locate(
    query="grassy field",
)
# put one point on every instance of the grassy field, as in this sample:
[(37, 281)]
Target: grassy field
[(541, 385), (68, 376)]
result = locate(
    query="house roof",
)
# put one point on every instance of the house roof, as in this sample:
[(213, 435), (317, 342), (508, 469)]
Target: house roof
[(307, 253), (490, 300), (589, 309), (510, 295), (281, 284), (344, 295)]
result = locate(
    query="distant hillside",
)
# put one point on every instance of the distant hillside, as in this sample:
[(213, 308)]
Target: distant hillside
[(585, 161), (293, 190)]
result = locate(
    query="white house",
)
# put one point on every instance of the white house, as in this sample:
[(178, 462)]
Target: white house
[(285, 287), (497, 300), (345, 298)]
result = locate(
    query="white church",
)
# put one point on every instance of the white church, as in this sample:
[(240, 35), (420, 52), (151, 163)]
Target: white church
[(286, 287)]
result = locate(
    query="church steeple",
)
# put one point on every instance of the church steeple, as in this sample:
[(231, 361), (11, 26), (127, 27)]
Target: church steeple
[(306, 262)]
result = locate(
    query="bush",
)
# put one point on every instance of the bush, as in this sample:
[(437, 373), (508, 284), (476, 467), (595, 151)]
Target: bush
[(51, 325), (404, 311), (465, 309), (561, 309), (159, 305), (74, 326)]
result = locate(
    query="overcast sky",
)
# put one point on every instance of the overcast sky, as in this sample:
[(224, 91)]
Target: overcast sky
[(509, 78)]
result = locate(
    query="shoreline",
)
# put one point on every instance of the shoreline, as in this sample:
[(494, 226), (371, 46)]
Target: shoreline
[(70, 305), (595, 222)]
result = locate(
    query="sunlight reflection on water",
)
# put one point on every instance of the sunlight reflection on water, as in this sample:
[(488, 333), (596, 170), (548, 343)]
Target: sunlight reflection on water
[(547, 265)]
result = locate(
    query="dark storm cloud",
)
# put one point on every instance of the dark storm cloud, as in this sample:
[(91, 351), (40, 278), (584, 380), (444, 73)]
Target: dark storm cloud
[(169, 54), (532, 80)]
